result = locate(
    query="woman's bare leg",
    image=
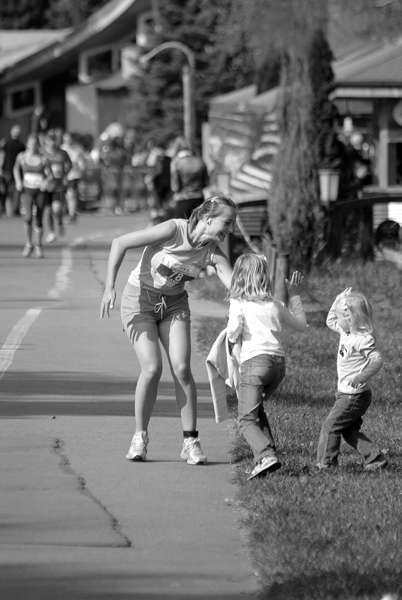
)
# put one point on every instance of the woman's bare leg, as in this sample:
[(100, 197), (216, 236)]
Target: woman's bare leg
[(176, 340), (145, 341)]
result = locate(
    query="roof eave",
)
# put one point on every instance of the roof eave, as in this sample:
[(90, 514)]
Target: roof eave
[(367, 90), (80, 39)]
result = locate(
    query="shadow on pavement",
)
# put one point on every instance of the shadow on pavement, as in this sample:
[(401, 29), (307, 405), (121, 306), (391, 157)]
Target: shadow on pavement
[(61, 393), (33, 583)]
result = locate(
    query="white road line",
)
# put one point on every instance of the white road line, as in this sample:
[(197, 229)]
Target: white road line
[(20, 329), (62, 274), (15, 338)]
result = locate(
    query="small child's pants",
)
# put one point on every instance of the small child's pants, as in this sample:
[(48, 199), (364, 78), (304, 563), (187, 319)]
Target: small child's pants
[(345, 420), (259, 375)]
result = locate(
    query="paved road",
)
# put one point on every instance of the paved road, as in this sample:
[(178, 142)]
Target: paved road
[(78, 520)]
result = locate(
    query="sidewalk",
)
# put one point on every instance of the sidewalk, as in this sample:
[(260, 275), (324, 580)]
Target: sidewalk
[(80, 522)]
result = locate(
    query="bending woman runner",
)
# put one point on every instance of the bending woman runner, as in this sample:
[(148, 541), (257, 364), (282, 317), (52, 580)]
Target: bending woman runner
[(155, 308), (31, 174)]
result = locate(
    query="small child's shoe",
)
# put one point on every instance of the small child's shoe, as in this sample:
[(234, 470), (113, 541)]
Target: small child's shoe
[(268, 463), (192, 452), (378, 463), (138, 448)]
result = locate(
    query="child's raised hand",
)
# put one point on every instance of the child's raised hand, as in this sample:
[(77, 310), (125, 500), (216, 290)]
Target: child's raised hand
[(295, 284), (345, 292)]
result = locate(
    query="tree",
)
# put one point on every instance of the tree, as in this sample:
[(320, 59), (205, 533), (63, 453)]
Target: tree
[(22, 14), (157, 101), (294, 207), (45, 14), (324, 113), (70, 13)]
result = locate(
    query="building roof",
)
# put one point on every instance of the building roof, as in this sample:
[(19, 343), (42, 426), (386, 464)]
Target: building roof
[(375, 64), (113, 22), (232, 100), (372, 65), (15, 45)]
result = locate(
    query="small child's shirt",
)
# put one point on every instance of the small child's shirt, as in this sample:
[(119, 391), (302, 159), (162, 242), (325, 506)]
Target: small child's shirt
[(260, 325), (355, 352)]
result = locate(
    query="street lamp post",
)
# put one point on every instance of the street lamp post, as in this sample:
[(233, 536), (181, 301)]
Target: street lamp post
[(188, 85), (329, 186)]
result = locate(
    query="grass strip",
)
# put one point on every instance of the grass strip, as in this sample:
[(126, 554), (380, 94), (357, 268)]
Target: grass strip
[(327, 535)]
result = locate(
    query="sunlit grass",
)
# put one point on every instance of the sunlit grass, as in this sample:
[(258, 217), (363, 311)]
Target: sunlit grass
[(328, 535)]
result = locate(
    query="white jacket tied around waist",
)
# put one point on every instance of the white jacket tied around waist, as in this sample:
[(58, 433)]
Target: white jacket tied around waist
[(223, 370)]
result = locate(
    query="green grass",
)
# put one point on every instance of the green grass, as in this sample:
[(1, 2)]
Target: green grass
[(334, 535)]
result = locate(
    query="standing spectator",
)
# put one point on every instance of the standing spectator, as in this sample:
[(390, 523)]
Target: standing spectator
[(8, 153), (158, 183), (189, 177), (112, 161), (77, 157), (128, 202), (60, 164)]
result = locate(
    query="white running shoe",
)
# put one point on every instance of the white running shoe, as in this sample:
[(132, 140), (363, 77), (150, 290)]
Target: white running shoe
[(268, 463), (38, 251), (138, 448), (50, 237), (192, 453), (26, 253)]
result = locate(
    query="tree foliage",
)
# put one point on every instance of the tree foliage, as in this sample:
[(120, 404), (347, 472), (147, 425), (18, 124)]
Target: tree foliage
[(46, 14), (157, 102), (23, 14)]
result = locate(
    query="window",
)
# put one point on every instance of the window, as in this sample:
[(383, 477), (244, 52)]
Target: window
[(95, 64), (22, 99), (395, 164), (100, 64)]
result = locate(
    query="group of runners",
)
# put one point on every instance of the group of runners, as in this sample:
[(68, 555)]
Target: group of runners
[(46, 175)]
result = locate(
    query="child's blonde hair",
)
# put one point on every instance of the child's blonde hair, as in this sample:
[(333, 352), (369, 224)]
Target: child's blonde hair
[(360, 313), (251, 279)]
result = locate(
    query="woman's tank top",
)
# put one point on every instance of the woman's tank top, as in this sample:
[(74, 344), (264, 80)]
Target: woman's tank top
[(167, 267), (32, 175)]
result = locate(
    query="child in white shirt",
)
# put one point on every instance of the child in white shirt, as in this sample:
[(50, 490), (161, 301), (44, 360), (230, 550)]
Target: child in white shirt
[(258, 318), (358, 360)]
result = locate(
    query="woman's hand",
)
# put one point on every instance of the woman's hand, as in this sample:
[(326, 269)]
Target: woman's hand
[(295, 284), (108, 300)]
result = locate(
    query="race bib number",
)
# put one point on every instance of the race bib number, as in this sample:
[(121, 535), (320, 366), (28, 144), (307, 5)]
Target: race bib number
[(33, 180), (174, 273)]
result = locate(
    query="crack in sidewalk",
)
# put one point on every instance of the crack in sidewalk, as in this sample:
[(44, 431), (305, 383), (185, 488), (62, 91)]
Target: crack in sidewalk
[(66, 467)]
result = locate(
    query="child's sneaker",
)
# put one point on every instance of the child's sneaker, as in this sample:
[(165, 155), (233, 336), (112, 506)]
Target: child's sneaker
[(138, 448), (192, 453), (38, 251), (378, 463), (268, 463)]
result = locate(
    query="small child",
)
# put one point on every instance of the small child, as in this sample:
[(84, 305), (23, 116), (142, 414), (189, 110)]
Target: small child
[(258, 318), (358, 360)]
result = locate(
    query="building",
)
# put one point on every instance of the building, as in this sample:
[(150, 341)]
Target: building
[(78, 79), (241, 136)]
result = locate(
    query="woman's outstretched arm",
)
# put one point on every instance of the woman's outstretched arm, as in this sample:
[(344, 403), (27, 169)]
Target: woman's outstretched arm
[(137, 239)]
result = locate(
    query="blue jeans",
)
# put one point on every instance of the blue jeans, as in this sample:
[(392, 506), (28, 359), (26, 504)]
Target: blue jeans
[(260, 375), (345, 420)]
